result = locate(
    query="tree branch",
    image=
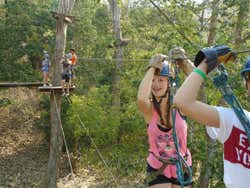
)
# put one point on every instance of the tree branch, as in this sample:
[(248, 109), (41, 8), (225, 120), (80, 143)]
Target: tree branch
[(173, 24)]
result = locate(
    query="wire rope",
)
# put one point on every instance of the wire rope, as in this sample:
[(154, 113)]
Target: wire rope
[(93, 142), (63, 135)]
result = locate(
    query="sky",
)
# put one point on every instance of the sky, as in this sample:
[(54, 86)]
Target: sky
[(198, 1)]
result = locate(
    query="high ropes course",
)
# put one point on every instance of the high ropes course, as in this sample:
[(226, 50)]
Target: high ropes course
[(55, 91), (219, 81)]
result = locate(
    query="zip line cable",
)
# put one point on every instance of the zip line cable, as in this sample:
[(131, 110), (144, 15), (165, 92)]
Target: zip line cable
[(192, 57), (173, 24), (112, 60), (95, 146)]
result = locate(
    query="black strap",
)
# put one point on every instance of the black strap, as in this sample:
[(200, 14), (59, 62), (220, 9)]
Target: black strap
[(157, 106)]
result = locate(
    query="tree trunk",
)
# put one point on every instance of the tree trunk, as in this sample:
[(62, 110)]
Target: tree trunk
[(5, 2), (203, 181), (118, 55), (213, 23), (206, 168), (241, 18), (56, 141)]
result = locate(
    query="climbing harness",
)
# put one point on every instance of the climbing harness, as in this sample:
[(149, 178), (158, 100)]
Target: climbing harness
[(220, 82), (153, 174), (180, 161)]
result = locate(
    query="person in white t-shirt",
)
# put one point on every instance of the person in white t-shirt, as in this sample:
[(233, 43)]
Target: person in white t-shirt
[(224, 124), (246, 75)]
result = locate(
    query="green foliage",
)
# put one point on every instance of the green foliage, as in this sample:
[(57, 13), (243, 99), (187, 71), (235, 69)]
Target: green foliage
[(98, 122), (4, 102), (45, 115), (150, 33), (21, 41), (27, 28)]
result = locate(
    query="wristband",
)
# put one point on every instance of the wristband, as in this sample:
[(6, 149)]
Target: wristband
[(201, 73)]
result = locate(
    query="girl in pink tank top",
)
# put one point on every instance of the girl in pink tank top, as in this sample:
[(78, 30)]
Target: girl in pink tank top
[(161, 144), (154, 103)]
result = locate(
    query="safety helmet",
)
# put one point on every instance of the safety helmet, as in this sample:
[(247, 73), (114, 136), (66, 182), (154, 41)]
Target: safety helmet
[(165, 69), (69, 55), (246, 68), (46, 55)]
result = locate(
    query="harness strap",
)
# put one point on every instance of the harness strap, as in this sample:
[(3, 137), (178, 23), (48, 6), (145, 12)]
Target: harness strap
[(165, 162), (181, 163), (153, 174)]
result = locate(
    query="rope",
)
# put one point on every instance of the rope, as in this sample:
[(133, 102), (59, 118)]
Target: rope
[(221, 82), (111, 60), (180, 162), (95, 146), (64, 139)]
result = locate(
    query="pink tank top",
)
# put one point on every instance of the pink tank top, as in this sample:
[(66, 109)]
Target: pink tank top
[(161, 144)]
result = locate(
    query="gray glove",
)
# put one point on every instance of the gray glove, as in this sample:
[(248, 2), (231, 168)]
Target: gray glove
[(178, 54), (156, 61)]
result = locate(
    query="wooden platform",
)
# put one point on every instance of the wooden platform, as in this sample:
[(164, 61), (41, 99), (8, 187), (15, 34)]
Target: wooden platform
[(20, 84), (53, 88)]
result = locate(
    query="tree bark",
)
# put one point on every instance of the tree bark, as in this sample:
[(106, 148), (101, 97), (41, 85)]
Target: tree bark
[(213, 23), (203, 181), (56, 140), (241, 18), (206, 169), (118, 55)]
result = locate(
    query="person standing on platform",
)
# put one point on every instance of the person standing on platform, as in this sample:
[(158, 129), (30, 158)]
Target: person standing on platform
[(45, 69), (73, 60), (66, 74)]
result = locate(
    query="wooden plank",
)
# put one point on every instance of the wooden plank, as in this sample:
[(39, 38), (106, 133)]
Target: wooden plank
[(53, 88), (20, 84)]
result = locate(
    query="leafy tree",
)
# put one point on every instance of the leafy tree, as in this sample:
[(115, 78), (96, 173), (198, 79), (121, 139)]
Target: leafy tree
[(23, 27)]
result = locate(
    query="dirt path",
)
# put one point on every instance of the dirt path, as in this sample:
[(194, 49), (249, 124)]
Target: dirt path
[(24, 149)]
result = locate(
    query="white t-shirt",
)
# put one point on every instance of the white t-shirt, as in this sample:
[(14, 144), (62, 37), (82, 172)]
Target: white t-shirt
[(236, 148)]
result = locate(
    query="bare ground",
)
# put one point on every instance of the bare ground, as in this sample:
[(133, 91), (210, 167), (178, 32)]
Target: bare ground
[(24, 149)]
